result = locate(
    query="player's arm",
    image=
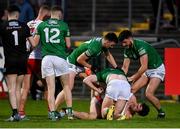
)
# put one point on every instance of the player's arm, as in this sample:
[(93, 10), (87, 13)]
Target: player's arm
[(28, 36), (110, 59), (36, 40), (32, 41), (67, 37), (37, 34), (82, 60), (141, 70), (89, 82), (126, 64), (68, 42)]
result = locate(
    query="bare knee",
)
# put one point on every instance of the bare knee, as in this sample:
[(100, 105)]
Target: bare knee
[(92, 116), (149, 94)]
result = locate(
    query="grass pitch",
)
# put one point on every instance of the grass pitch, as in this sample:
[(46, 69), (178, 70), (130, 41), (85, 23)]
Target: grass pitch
[(37, 112)]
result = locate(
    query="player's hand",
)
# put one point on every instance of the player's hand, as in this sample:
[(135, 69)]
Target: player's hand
[(118, 67), (130, 79), (69, 50)]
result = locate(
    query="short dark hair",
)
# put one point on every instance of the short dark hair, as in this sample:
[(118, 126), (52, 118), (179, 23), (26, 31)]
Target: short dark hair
[(56, 8), (13, 8), (145, 110), (111, 37), (124, 35)]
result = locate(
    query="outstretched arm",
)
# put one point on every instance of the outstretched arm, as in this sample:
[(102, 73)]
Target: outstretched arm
[(32, 41), (141, 70), (68, 42), (82, 60), (111, 59), (125, 66), (89, 82)]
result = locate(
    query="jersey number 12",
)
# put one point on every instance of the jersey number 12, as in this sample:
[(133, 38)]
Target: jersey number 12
[(53, 38)]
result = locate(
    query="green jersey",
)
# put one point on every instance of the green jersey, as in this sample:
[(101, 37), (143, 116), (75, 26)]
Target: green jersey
[(140, 48), (52, 35), (102, 75), (92, 48)]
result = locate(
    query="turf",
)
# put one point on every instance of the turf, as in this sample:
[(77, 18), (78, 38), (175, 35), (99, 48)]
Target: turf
[(37, 112)]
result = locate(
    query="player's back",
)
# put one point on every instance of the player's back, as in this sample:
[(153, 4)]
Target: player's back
[(13, 34), (52, 35)]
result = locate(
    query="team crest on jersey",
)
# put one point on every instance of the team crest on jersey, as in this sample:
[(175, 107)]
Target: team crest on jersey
[(52, 22), (13, 23)]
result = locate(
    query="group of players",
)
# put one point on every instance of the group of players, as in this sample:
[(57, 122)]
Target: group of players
[(49, 41)]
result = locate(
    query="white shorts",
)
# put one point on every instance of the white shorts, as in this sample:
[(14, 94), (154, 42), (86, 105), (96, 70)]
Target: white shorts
[(158, 72), (118, 89), (74, 68), (54, 65)]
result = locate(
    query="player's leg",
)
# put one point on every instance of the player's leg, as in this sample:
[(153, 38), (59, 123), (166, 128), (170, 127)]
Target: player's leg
[(27, 82), (18, 88), (68, 95), (94, 113), (151, 88), (95, 108), (106, 104), (50, 80), (142, 81), (156, 76), (61, 96), (11, 83), (119, 106), (24, 94), (49, 75)]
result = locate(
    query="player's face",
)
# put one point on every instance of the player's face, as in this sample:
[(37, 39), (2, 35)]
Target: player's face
[(136, 107), (126, 43), (109, 44)]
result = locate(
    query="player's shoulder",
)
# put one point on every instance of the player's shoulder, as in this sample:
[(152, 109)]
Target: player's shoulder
[(34, 23), (96, 40), (140, 42)]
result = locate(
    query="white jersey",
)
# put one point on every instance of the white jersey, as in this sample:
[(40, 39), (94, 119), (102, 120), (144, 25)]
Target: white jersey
[(36, 53)]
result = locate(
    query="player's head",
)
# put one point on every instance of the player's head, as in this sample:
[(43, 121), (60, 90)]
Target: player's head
[(125, 38), (144, 110), (13, 12), (109, 40), (56, 12), (44, 11)]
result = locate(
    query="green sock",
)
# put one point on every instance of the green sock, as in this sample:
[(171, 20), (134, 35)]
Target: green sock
[(160, 110)]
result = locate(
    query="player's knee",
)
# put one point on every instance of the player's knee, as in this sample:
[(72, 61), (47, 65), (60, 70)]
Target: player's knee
[(93, 116), (148, 94)]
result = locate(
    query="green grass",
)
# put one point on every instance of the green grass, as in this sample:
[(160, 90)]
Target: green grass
[(37, 112)]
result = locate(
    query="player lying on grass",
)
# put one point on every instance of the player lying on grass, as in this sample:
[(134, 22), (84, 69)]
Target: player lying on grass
[(79, 58), (117, 92)]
